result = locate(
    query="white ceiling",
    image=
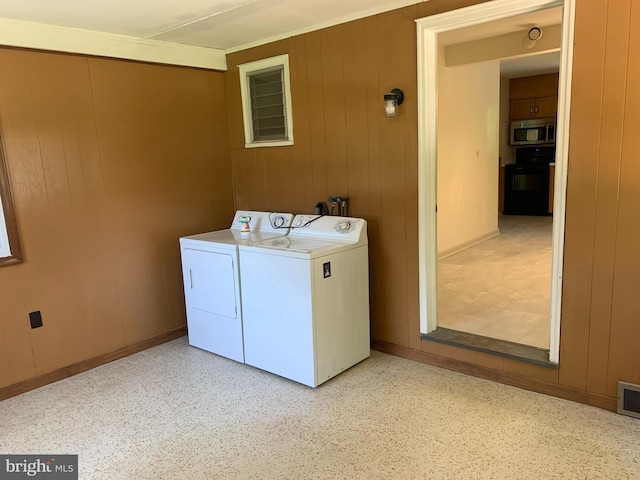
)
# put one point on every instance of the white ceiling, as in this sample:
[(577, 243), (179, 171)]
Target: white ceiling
[(220, 24), (226, 24), (223, 25)]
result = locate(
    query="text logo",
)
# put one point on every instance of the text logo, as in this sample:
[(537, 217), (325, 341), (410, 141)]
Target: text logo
[(50, 467)]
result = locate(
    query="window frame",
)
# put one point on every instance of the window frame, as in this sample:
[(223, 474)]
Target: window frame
[(8, 225), (245, 70)]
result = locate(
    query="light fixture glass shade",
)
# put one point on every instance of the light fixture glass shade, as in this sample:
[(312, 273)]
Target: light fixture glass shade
[(391, 101), (390, 105)]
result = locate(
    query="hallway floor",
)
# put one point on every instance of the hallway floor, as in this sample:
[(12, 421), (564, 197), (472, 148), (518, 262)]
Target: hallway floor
[(176, 412), (501, 288)]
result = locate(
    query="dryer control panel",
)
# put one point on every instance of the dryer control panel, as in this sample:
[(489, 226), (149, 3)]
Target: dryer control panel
[(262, 221)]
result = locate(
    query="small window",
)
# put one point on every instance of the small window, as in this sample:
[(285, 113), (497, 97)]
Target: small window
[(266, 102)]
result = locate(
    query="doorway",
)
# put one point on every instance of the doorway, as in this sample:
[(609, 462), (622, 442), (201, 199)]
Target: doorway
[(428, 57)]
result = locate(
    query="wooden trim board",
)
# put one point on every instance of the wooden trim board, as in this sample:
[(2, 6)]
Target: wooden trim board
[(70, 370), (492, 346), (469, 243)]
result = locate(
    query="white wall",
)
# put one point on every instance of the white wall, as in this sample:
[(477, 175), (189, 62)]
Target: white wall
[(468, 133)]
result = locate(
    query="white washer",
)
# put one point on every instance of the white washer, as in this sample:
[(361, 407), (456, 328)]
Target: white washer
[(210, 275), (305, 299)]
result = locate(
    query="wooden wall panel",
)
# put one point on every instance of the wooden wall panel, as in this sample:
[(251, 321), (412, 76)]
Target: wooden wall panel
[(245, 178), (355, 112), (613, 103), (586, 110), (393, 188), (374, 216), (335, 92), (624, 361), (15, 339), (129, 133), (34, 89), (364, 59), (303, 197), (110, 162), (316, 114), (411, 174)]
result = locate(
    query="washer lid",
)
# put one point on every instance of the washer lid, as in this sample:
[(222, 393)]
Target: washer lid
[(305, 245)]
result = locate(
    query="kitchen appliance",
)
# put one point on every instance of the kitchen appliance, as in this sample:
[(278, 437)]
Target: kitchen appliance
[(526, 189), (305, 299), (212, 284), (539, 131)]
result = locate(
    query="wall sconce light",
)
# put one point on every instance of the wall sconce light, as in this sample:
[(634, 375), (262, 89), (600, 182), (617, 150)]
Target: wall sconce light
[(391, 101), (533, 35)]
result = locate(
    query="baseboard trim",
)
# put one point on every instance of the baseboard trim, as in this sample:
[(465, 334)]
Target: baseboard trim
[(507, 378), (83, 366), (469, 243)]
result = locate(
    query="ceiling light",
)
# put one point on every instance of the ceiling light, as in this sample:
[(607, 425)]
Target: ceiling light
[(533, 35)]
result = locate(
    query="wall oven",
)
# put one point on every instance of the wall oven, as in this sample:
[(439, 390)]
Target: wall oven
[(526, 188), (539, 131)]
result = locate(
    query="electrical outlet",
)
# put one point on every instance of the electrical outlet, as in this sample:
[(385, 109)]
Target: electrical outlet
[(36, 319)]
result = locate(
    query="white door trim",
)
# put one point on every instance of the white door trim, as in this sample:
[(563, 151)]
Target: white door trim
[(427, 31)]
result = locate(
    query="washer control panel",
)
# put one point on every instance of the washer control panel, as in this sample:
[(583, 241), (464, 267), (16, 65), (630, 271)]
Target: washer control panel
[(343, 228)]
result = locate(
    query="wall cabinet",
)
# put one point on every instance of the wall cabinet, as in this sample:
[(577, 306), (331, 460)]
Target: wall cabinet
[(535, 96), (533, 108)]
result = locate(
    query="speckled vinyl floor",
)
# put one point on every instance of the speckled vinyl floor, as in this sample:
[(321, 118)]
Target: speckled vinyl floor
[(176, 412)]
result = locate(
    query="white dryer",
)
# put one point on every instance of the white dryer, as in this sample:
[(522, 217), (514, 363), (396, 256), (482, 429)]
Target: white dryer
[(305, 299), (211, 280)]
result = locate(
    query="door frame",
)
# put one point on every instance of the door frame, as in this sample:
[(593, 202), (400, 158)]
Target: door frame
[(428, 29)]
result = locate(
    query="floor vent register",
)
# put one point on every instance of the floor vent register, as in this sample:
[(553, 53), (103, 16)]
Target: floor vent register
[(629, 399)]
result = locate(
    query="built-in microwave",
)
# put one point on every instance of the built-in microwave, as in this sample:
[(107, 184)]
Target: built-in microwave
[(539, 131)]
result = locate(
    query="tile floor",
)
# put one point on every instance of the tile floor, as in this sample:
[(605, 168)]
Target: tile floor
[(501, 288), (176, 412)]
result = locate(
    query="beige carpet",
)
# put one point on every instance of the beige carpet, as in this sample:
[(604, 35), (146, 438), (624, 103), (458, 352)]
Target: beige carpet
[(501, 288)]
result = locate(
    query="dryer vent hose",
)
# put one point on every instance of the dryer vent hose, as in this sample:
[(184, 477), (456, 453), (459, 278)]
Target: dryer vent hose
[(321, 209)]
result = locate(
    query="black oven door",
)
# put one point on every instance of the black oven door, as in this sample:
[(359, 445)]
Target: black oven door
[(526, 190)]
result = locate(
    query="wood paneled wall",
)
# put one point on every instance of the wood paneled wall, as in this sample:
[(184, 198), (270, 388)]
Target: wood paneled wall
[(601, 307), (345, 145), (110, 163)]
